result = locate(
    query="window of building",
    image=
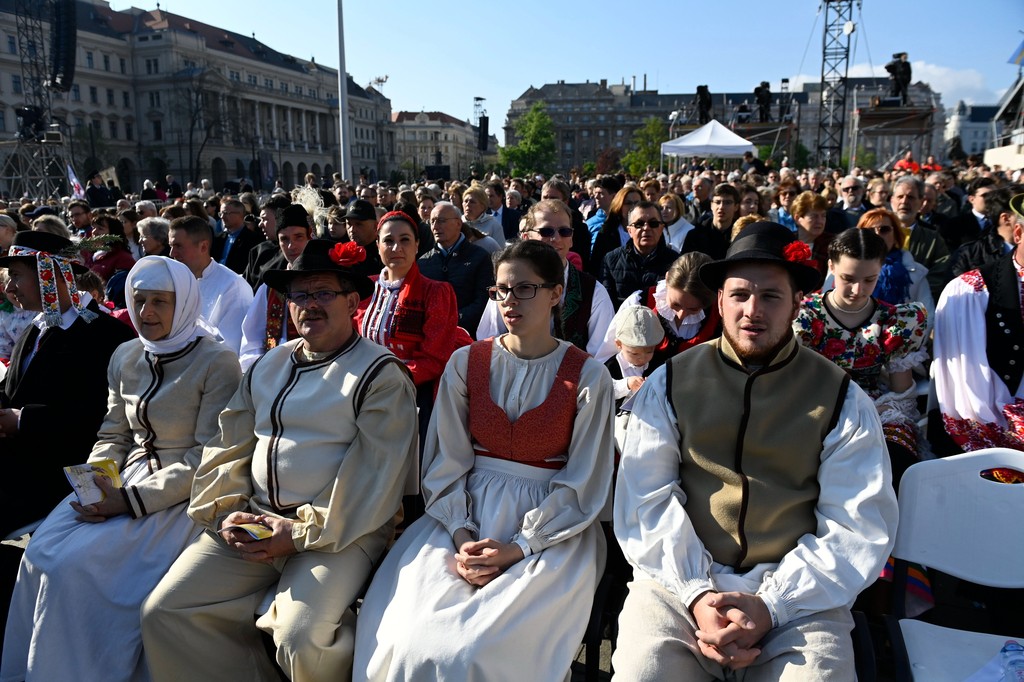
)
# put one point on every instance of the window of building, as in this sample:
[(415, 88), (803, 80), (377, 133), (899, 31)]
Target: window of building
[(16, 85), (585, 133), (76, 93), (97, 126), (158, 130), (235, 76), (126, 96), (110, 97), (94, 95), (268, 83), (12, 44), (129, 131), (618, 133), (152, 66), (3, 122), (284, 87), (113, 130), (106, 62), (79, 123), (89, 60), (154, 100), (124, 65), (253, 80), (313, 93), (600, 133)]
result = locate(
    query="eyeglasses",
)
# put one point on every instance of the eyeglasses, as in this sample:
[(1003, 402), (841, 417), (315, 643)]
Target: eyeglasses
[(522, 292), (437, 221), (787, 193), (550, 232), (323, 297), (855, 188), (722, 202), (646, 224), (882, 229)]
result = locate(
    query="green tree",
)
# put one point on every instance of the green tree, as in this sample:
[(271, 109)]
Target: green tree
[(535, 150), (646, 150)]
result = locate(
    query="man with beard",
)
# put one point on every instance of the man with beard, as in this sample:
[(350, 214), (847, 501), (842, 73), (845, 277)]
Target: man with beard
[(313, 454), (754, 496)]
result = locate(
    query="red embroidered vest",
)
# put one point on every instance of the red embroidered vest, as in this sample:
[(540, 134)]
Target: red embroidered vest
[(541, 436)]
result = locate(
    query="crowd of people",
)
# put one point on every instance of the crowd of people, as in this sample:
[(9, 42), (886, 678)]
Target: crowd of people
[(460, 404)]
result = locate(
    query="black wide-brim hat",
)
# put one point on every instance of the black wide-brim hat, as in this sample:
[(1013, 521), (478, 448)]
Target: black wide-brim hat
[(322, 255), (765, 242), (45, 242)]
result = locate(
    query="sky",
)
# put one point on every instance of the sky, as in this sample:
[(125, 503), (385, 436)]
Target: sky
[(439, 56)]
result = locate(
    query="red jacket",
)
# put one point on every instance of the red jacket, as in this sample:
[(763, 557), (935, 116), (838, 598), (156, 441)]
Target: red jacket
[(424, 330)]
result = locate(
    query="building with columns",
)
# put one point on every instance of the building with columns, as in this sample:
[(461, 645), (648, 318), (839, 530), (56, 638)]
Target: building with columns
[(157, 93), (433, 138)]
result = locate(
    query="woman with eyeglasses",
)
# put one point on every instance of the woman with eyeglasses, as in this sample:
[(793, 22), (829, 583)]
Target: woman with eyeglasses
[(902, 279), (613, 233), (586, 311), (114, 255), (876, 342), (496, 581)]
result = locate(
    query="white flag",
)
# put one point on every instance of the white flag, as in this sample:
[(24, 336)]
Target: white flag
[(76, 187)]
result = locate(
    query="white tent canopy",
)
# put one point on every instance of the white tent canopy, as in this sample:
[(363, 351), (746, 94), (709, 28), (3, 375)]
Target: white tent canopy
[(711, 139)]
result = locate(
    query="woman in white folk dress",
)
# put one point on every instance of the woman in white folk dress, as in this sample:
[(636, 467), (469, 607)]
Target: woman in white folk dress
[(496, 581)]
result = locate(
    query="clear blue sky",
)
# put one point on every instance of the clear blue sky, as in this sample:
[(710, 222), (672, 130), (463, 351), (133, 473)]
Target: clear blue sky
[(441, 56)]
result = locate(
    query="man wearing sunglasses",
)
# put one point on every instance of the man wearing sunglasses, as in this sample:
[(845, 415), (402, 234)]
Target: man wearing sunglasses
[(846, 214), (641, 261)]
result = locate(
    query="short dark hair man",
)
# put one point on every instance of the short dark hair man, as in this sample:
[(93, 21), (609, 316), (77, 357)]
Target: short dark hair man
[(231, 247), (754, 496)]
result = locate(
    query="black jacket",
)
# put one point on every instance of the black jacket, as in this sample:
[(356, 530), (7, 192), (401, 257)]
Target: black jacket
[(986, 249), (238, 257), (626, 271), (468, 269), (62, 395)]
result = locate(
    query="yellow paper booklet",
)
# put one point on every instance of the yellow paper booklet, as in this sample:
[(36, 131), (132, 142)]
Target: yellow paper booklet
[(257, 531), (80, 476)]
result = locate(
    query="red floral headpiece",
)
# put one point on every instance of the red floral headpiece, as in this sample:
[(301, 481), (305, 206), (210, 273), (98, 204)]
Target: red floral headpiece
[(798, 252), (347, 254)]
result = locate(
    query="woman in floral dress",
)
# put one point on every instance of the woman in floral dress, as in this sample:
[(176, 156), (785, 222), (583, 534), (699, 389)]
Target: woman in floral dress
[(876, 342)]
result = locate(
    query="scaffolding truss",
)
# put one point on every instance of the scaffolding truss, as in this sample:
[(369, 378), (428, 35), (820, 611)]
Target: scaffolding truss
[(834, 63)]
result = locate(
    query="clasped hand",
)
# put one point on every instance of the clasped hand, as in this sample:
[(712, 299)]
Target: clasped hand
[(481, 561), (9, 422), (279, 544), (730, 625)]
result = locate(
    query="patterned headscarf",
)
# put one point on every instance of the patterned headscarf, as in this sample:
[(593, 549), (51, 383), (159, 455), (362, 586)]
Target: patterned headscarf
[(50, 266)]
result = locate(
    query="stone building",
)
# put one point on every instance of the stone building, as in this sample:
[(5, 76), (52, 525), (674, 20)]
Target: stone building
[(157, 93), (434, 138)]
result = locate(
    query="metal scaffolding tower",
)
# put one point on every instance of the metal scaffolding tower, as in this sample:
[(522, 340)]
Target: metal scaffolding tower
[(835, 60), (34, 163)]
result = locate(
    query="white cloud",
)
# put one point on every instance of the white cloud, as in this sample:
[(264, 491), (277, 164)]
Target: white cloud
[(953, 84)]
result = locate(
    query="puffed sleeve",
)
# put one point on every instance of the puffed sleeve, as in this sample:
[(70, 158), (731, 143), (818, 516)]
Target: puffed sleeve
[(651, 524), (171, 484), (223, 480), (448, 452), (903, 337), (367, 490), (579, 491)]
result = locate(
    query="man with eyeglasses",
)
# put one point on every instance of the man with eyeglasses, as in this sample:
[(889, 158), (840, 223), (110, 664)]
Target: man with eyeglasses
[(455, 260), (846, 214), (641, 261), (314, 453), (586, 308), (80, 217), (231, 247)]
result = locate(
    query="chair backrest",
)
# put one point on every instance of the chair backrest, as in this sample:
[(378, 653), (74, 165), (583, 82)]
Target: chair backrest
[(953, 520)]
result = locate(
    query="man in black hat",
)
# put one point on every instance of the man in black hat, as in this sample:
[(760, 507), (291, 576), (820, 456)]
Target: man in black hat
[(315, 450), (754, 494), (55, 393), (97, 193), (361, 224)]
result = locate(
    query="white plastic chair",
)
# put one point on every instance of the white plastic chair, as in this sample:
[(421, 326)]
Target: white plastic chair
[(955, 521)]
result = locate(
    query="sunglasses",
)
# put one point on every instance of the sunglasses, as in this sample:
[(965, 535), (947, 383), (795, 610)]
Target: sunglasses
[(550, 232), (882, 229), (647, 224)]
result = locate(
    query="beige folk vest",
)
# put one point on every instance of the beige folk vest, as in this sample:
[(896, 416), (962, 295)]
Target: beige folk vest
[(751, 446)]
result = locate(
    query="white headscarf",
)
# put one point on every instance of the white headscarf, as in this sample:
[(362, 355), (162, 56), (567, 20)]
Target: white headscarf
[(158, 273)]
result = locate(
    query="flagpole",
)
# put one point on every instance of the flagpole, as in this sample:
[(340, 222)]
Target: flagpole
[(344, 150)]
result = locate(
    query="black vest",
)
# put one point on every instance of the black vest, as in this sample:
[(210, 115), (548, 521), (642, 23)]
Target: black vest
[(1004, 323)]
